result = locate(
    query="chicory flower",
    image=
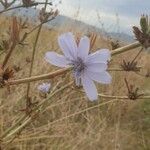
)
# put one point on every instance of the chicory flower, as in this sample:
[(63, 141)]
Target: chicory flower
[(87, 68)]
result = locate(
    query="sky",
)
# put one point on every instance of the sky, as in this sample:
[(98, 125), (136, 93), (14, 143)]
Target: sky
[(114, 15), (111, 15)]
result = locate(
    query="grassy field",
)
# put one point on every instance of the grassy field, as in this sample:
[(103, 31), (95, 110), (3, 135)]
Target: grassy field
[(114, 125)]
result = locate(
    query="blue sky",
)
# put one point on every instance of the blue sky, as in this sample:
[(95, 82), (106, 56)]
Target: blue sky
[(128, 12)]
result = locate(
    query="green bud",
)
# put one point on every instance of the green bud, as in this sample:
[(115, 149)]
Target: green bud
[(144, 23)]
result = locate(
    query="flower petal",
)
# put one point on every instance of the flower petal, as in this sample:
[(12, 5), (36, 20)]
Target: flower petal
[(101, 77), (102, 55), (89, 87), (56, 59), (68, 45), (84, 47), (44, 87), (96, 67)]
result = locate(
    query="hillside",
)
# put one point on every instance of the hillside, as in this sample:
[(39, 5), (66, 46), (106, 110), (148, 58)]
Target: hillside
[(61, 21), (66, 122)]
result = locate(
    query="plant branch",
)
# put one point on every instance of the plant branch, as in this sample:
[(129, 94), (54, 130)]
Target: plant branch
[(48, 76), (125, 48), (40, 77), (40, 25), (120, 69), (23, 6), (117, 98), (29, 118), (25, 120), (33, 55), (137, 55), (28, 101), (121, 97), (8, 54)]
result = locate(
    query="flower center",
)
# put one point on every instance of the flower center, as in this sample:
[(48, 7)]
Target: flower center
[(78, 66)]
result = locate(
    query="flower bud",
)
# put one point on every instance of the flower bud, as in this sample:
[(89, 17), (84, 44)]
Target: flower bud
[(144, 24)]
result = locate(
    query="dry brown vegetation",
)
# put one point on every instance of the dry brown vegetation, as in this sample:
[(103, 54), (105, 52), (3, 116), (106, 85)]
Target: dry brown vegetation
[(114, 125)]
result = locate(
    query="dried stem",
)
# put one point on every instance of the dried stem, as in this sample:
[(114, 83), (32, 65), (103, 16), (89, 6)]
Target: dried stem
[(40, 25), (48, 76), (22, 6), (8, 55), (96, 106), (137, 55), (26, 118), (40, 77), (33, 55), (17, 127), (28, 101), (121, 97), (125, 48), (127, 85), (120, 69)]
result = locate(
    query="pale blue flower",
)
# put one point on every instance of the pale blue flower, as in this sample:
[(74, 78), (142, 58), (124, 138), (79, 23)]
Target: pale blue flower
[(86, 67), (44, 87)]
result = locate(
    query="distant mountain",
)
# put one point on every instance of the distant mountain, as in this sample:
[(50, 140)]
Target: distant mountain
[(62, 21), (122, 37)]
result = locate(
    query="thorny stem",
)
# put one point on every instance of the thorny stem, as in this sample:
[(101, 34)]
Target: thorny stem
[(125, 48), (16, 7)]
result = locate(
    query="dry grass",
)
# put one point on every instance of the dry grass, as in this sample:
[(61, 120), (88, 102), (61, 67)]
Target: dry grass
[(117, 125)]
